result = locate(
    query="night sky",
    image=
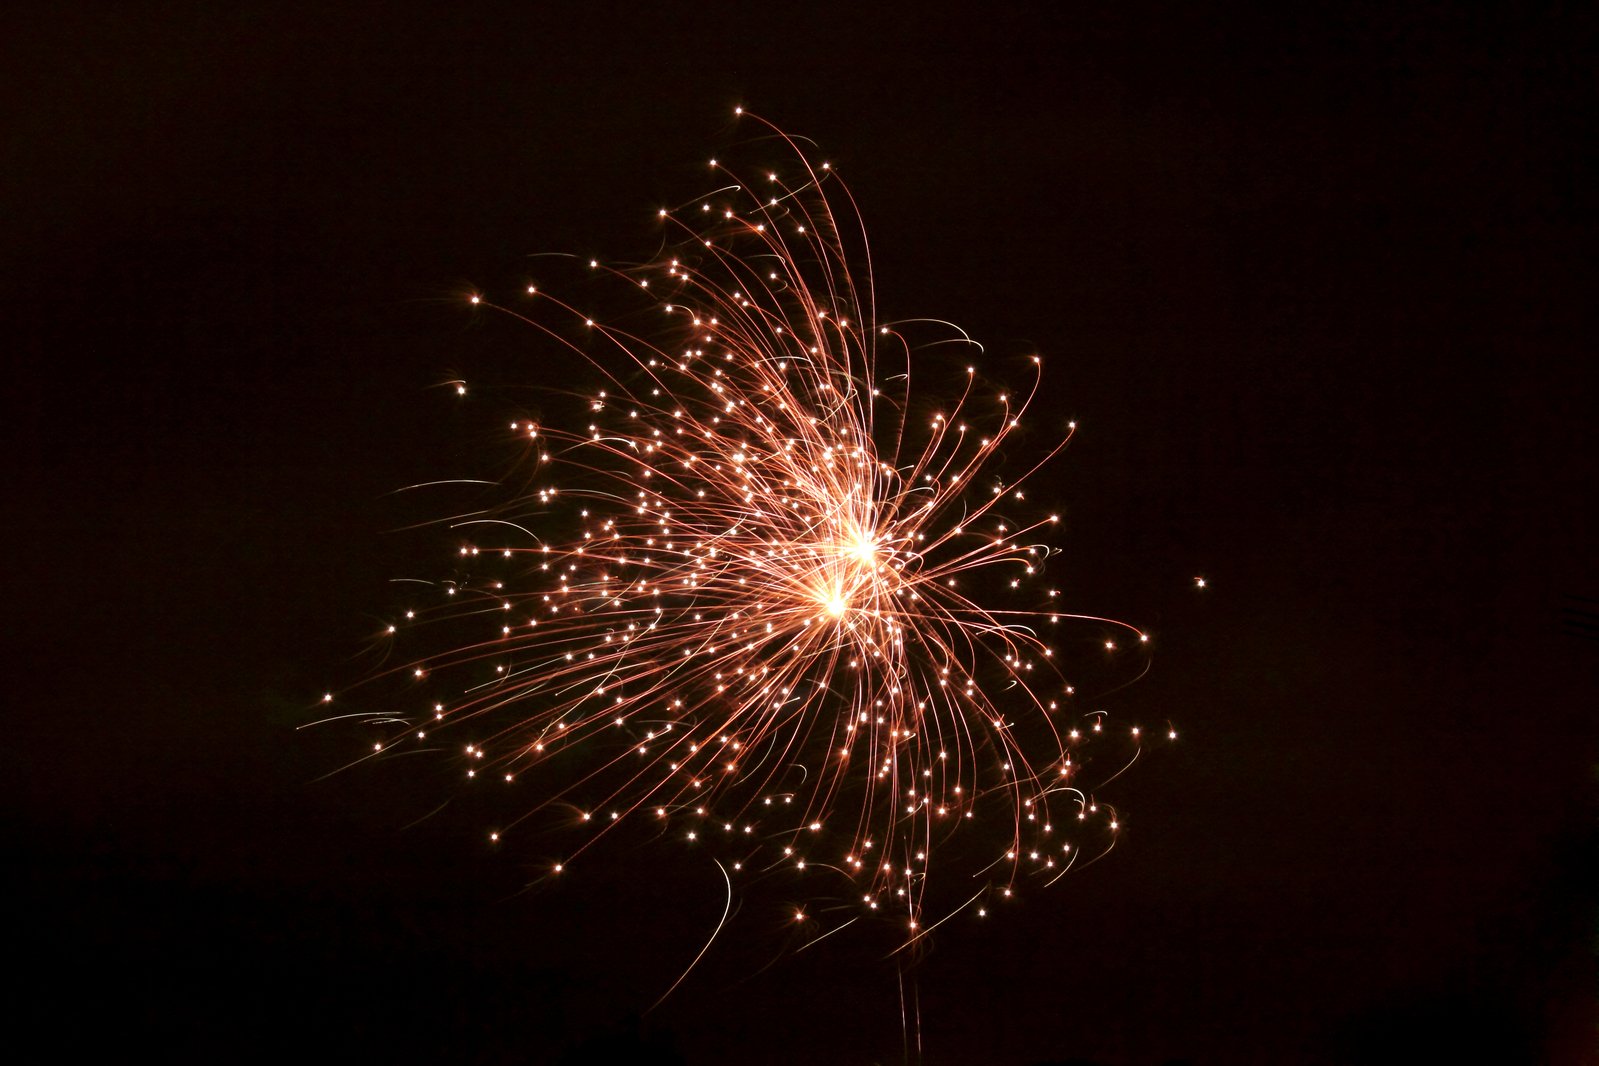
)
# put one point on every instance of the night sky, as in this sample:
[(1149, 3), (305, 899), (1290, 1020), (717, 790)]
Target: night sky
[(1318, 288)]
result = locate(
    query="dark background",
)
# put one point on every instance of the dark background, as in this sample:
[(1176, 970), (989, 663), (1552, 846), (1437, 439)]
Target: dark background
[(1316, 283)]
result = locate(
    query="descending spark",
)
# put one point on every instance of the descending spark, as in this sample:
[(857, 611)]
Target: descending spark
[(770, 596), (727, 907)]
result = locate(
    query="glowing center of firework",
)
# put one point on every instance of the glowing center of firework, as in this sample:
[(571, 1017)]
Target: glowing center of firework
[(850, 573)]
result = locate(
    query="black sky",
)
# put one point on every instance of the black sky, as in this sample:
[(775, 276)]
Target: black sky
[(1317, 284)]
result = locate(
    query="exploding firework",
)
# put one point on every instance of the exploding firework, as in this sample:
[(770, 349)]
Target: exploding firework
[(771, 600)]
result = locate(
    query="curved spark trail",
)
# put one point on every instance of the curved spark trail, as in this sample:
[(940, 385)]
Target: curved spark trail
[(771, 598)]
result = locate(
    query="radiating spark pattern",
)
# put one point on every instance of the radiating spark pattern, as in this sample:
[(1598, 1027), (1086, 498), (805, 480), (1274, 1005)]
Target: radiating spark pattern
[(770, 597)]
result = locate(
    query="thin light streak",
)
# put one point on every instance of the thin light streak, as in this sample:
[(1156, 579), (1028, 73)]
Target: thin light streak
[(727, 908)]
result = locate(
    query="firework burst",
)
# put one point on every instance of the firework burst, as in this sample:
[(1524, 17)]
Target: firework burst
[(771, 600)]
